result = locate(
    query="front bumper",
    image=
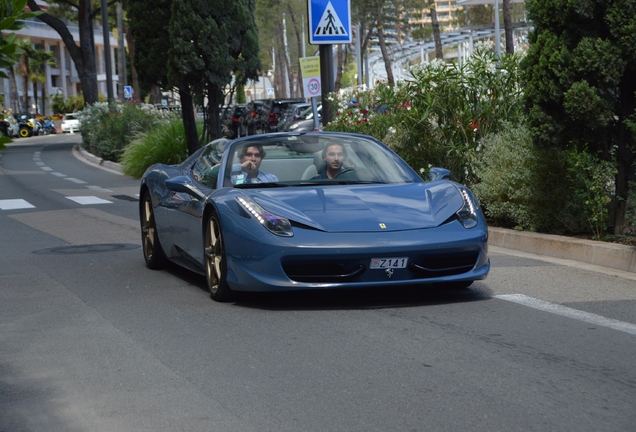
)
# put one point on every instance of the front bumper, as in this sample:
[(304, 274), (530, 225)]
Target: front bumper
[(318, 260)]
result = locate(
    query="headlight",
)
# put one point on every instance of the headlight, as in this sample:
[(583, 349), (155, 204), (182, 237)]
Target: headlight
[(467, 215), (294, 126), (275, 224)]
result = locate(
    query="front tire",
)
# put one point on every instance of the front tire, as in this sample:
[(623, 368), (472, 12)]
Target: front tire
[(215, 261), (25, 132), (153, 252)]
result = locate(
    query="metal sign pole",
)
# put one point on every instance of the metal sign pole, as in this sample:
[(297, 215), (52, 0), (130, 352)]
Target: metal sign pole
[(326, 78)]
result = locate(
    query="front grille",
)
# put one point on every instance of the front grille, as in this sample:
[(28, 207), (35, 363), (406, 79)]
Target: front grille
[(444, 265), (324, 272), (349, 269)]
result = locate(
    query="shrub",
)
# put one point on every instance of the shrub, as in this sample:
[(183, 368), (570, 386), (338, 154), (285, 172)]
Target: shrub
[(108, 128), (441, 115), (594, 187), (526, 188), (630, 214), (165, 143)]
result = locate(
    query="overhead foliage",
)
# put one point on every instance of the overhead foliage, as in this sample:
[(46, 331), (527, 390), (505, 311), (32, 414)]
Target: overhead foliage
[(11, 12), (209, 42)]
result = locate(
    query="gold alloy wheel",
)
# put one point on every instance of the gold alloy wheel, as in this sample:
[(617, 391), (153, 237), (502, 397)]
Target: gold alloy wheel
[(213, 255), (148, 229)]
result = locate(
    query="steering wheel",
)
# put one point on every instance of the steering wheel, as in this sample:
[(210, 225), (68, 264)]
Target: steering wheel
[(343, 171)]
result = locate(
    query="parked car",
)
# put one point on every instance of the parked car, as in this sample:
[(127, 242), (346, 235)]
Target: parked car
[(291, 114), (249, 122), (271, 112), (306, 121), (231, 123), (374, 224), (10, 127), (70, 123)]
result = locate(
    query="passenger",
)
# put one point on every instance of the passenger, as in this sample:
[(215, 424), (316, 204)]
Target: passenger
[(334, 155), (249, 168)]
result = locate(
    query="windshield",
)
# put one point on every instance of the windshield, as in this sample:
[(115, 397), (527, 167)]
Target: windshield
[(313, 159)]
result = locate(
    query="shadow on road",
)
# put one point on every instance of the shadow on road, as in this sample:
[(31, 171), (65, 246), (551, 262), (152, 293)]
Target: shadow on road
[(334, 299), (361, 298)]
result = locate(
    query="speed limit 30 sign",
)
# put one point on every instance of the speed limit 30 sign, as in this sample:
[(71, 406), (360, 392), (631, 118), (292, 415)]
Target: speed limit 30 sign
[(310, 69)]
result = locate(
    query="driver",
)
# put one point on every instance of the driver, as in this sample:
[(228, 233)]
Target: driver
[(334, 155)]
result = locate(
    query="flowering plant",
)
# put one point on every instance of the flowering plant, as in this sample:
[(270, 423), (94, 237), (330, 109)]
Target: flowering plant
[(440, 115)]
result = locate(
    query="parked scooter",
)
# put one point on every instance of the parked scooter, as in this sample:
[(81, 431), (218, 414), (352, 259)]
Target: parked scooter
[(48, 126)]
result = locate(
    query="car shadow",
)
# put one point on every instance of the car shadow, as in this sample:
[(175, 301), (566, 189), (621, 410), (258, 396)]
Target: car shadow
[(334, 299), (361, 298)]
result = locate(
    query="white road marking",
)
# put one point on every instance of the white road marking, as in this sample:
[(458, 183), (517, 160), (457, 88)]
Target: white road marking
[(57, 174), (40, 163), (569, 312), (87, 200), (98, 189), (74, 180), (14, 204), (45, 168)]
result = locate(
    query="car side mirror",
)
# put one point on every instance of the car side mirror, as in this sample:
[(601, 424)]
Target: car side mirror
[(184, 185), (436, 174)]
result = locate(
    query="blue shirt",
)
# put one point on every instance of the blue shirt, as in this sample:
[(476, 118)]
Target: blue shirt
[(244, 178)]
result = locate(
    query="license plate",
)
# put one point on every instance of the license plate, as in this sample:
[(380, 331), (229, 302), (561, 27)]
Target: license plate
[(386, 263)]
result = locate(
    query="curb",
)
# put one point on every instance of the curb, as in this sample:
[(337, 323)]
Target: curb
[(615, 256), (603, 254), (97, 160)]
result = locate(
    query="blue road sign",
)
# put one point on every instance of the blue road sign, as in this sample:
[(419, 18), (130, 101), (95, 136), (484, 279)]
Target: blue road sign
[(329, 21), (127, 92)]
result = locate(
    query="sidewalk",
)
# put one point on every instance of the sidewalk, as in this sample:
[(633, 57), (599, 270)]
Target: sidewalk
[(597, 253), (603, 254)]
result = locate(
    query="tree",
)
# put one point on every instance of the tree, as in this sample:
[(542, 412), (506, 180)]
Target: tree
[(439, 52), (148, 24), (208, 42), (83, 55), (26, 49), (38, 61), (580, 88), (10, 12), (510, 46)]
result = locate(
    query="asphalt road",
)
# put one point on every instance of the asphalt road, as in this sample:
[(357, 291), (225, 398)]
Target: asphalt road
[(91, 340)]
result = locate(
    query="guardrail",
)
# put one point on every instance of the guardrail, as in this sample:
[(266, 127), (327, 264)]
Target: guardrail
[(405, 53)]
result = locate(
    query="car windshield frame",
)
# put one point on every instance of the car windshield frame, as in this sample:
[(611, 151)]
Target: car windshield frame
[(295, 159)]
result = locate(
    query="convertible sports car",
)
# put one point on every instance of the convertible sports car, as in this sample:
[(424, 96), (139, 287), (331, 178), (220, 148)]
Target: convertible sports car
[(266, 213)]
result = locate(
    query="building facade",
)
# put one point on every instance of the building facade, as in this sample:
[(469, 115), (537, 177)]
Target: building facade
[(61, 79)]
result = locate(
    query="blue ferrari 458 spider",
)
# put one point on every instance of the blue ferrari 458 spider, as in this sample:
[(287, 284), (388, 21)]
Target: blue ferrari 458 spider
[(306, 211)]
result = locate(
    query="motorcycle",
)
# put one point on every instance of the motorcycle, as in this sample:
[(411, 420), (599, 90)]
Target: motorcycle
[(48, 126)]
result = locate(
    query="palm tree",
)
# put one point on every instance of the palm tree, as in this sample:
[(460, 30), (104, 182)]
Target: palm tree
[(37, 63), (25, 47)]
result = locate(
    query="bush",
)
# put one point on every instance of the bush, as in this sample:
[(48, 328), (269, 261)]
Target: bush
[(594, 183), (165, 143), (108, 128), (525, 188), (439, 117), (630, 214)]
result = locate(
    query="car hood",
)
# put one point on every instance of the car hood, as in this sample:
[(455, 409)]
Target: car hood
[(364, 208)]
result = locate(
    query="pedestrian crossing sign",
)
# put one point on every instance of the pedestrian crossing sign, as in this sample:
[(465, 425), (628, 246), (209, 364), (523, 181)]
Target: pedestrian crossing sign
[(329, 21)]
